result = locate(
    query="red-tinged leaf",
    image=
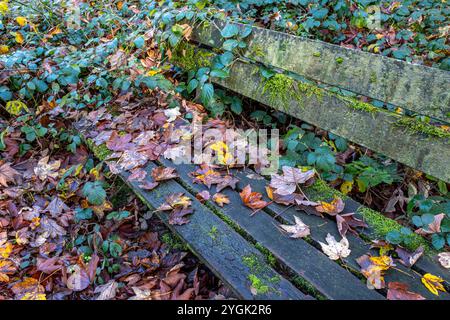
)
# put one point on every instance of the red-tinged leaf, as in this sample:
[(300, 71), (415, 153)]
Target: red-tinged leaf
[(253, 200), (347, 222), (48, 265), (178, 216), (162, 174), (117, 142), (221, 199), (137, 174), (332, 208), (203, 196), (399, 291), (7, 174), (408, 258), (79, 279)]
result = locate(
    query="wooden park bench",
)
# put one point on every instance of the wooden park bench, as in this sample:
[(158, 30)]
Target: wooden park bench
[(249, 253)]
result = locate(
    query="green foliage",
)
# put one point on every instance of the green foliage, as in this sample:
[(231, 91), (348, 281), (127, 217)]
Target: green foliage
[(94, 192)]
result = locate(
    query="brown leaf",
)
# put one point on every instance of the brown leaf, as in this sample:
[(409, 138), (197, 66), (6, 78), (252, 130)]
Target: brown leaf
[(409, 258), (434, 227), (148, 185), (118, 142), (179, 216), (29, 289), (7, 174), (251, 199), (79, 279), (203, 196), (162, 174), (399, 291), (221, 199), (332, 208), (48, 265), (298, 230), (346, 222), (107, 291), (444, 259), (6, 268), (287, 183), (175, 200)]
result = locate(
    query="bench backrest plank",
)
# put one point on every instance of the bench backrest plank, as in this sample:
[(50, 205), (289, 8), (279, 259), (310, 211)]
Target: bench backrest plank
[(417, 88)]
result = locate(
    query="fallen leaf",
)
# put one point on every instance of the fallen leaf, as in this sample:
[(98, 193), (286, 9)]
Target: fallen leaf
[(44, 169), (29, 289), (444, 259), (399, 291), (332, 208), (172, 114), (335, 250), (52, 227), (373, 269), (347, 222), (107, 291), (118, 142), (221, 199), (148, 185), (433, 283), (162, 174), (175, 200), (178, 216), (7, 268), (409, 258), (253, 200), (298, 230), (292, 177), (434, 227), (203, 196), (7, 174), (79, 279)]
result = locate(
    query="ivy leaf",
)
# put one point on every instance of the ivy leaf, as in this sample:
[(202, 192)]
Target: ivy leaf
[(139, 42), (218, 73), (94, 193), (230, 44), (192, 85), (230, 31), (207, 93)]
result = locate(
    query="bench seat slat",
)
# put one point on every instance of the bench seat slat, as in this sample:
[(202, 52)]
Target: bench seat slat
[(225, 252), (418, 88), (326, 276)]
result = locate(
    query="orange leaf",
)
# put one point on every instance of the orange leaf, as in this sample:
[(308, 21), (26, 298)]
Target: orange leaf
[(251, 199)]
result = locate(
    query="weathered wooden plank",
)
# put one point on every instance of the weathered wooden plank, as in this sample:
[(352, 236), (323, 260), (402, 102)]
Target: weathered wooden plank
[(321, 227), (333, 281), (219, 246), (415, 87), (377, 130)]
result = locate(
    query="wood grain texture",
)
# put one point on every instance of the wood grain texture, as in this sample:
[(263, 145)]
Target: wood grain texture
[(417, 88), (328, 277)]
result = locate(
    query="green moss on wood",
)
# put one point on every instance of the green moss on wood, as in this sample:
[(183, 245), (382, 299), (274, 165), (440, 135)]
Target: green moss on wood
[(308, 288), (187, 57), (279, 88), (270, 258), (173, 242), (415, 125), (321, 191), (381, 226), (258, 284), (257, 50)]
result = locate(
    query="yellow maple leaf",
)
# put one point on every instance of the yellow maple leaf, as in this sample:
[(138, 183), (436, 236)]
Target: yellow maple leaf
[(433, 283), (21, 21), (346, 187), (4, 49), (19, 38), (4, 7), (382, 263), (6, 250)]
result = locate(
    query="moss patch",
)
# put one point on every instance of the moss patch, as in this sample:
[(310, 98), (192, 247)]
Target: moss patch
[(418, 126), (173, 242), (308, 288), (321, 191), (279, 89), (270, 258), (257, 50), (101, 151), (186, 56), (258, 284), (381, 226)]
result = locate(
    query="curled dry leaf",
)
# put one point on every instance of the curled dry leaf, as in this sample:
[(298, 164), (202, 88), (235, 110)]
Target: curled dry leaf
[(7, 174), (221, 199), (203, 196), (107, 291), (175, 200), (29, 289), (44, 169), (332, 208), (79, 279), (335, 250), (178, 216), (347, 222), (373, 269), (163, 173), (444, 259), (434, 227), (433, 283), (7, 268), (409, 258), (399, 291), (298, 230), (253, 200), (292, 177)]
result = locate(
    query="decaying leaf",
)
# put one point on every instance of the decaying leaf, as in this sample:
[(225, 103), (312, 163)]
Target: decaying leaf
[(288, 182), (7, 174), (175, 200), (29, 289), (203, 196), (409, 258), (433, 283), (298, 230), (347, 222), (221, 199), (399, 291), (107, 291), (332, 208), (163, 173), (434, 227), (253, 200), (79, 279), (178, 216), (373, 268), (335, 250), (7, 268), (44, 169), (444, 259)]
